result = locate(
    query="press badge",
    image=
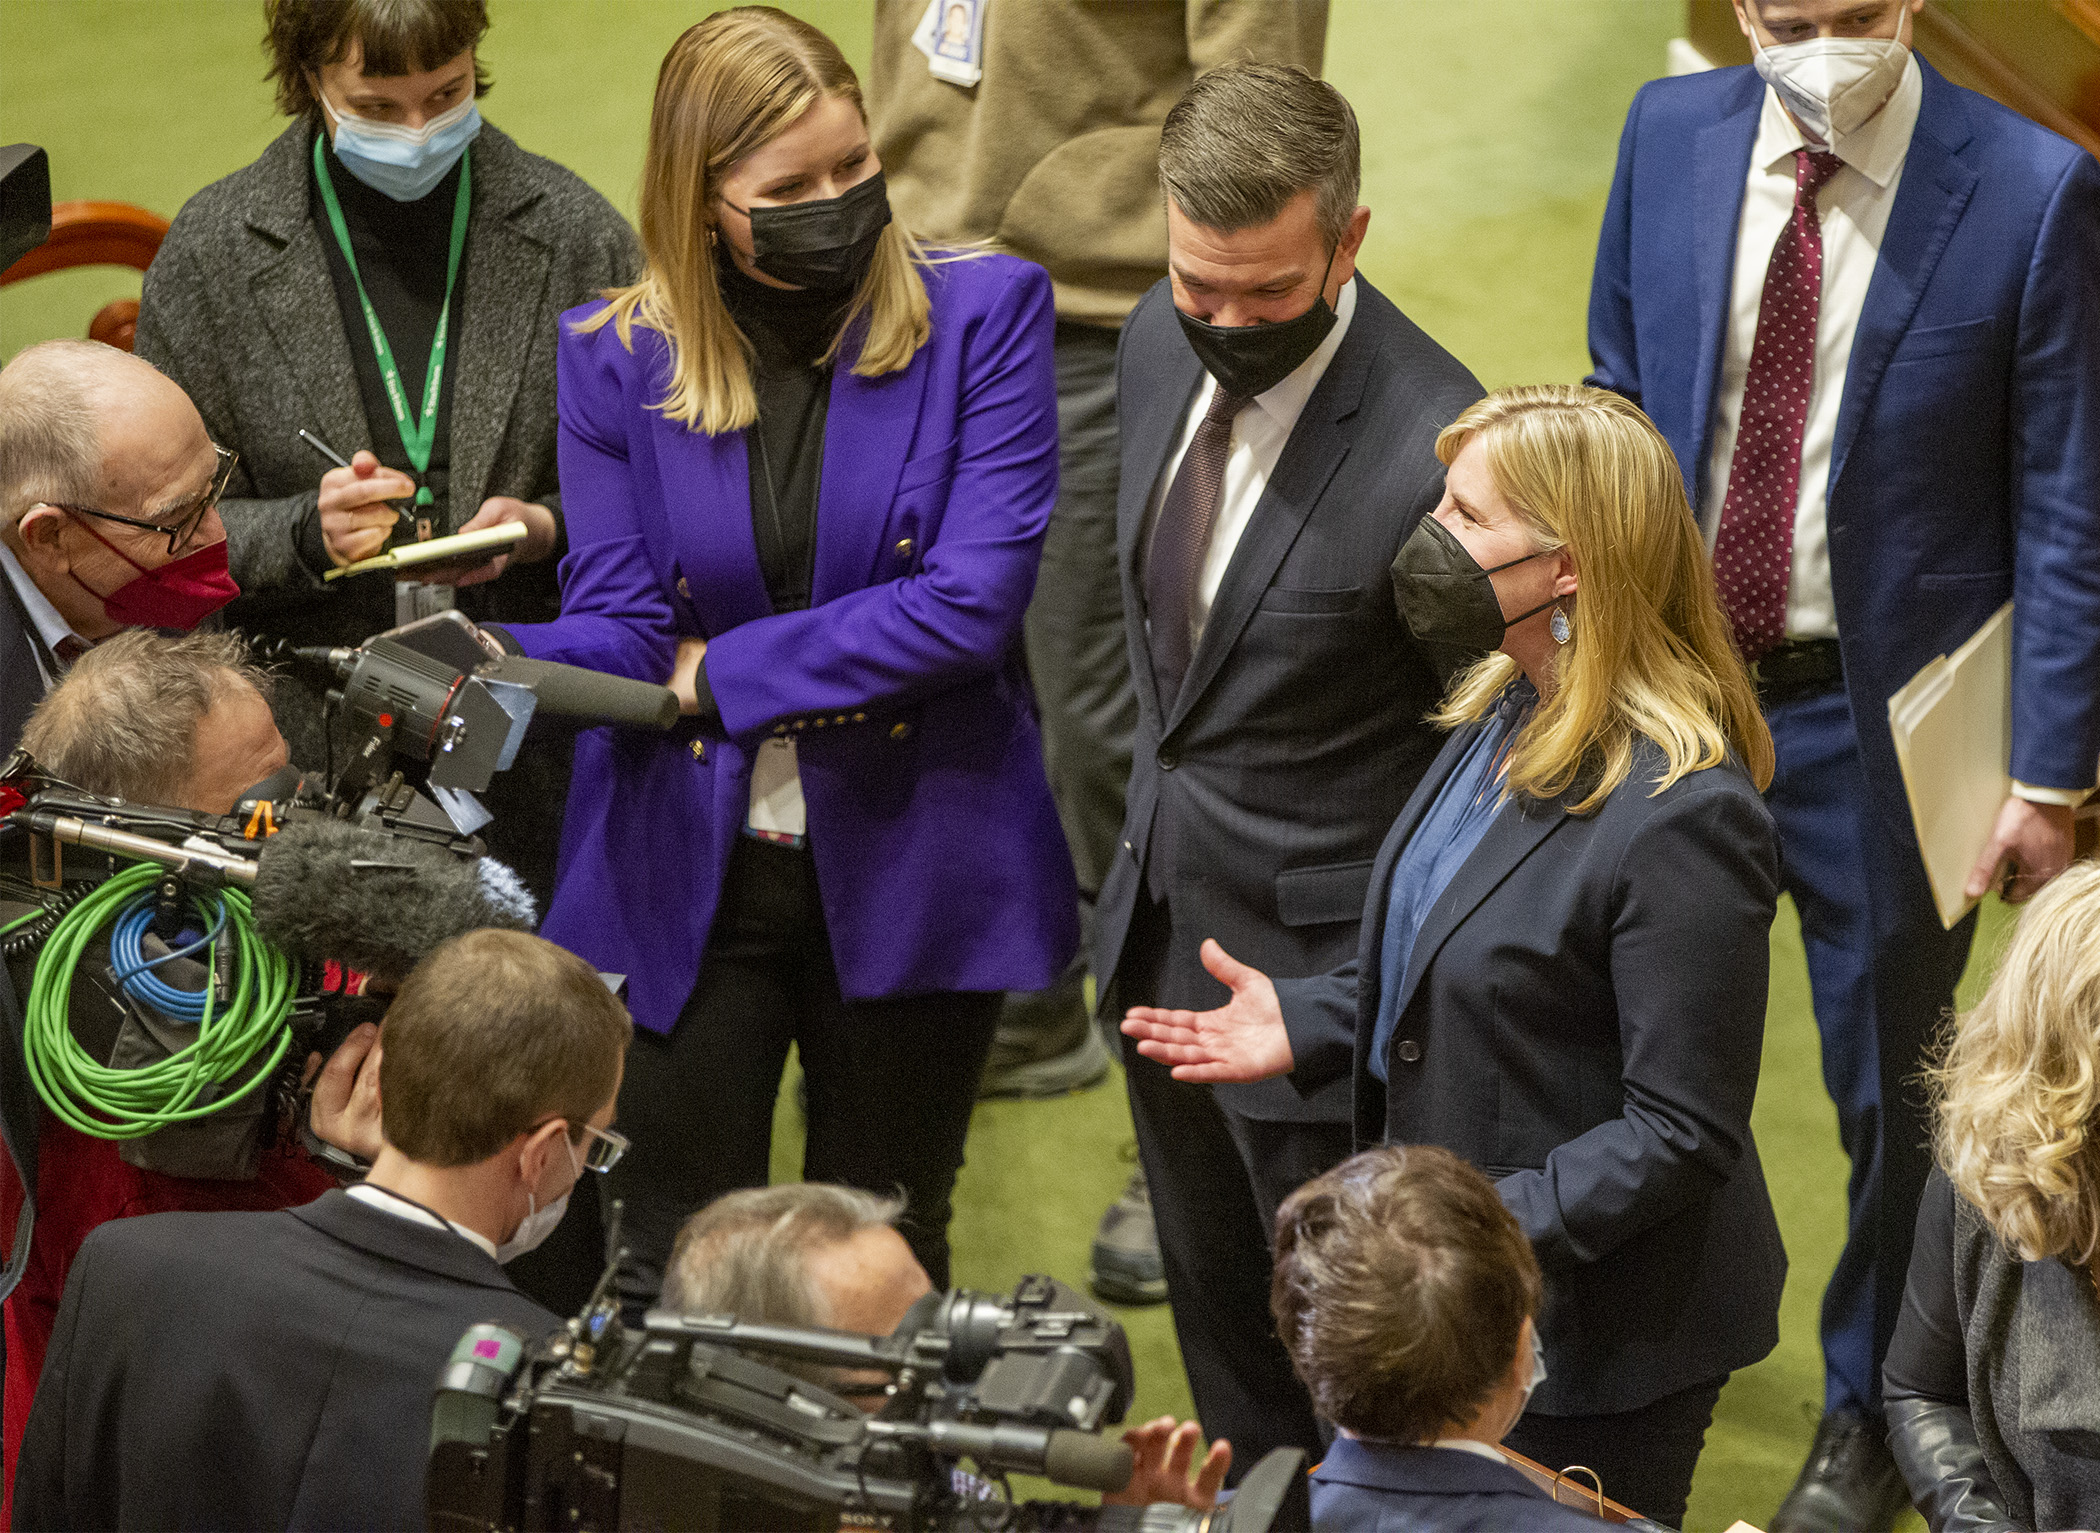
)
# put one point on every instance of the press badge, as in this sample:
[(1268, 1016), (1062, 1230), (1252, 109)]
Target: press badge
[(951, 35), (777, 811)]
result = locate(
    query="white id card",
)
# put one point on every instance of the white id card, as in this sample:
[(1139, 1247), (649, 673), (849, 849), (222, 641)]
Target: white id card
[(776, 791), (951, 35)]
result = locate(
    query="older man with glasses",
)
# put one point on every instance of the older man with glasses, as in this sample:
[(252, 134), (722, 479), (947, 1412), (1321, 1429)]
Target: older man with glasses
[(109, 491)]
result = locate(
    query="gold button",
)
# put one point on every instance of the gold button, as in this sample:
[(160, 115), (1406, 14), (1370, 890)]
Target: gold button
[(899, 731), (699, 750), (822, 721), (780, 729), (802, 723), (840, 719), (904, 548), (683, 589), (860, 718)]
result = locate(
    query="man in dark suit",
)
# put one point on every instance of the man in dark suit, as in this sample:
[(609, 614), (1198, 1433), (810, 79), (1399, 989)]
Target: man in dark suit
[(106, 478), (1278, 419), (275, 1370), (1409, 1294), (1864, 307)]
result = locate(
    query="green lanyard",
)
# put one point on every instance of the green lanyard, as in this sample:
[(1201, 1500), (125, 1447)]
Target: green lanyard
[(417, 434)]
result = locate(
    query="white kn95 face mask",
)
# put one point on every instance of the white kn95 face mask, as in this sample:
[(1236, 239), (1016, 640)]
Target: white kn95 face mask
[(1832, 85)]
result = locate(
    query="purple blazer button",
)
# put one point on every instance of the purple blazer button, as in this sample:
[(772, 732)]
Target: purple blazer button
[(699, 750), (900, 731), (683, 589)]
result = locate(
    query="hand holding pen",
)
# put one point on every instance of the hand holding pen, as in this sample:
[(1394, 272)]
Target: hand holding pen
[(356, 520)]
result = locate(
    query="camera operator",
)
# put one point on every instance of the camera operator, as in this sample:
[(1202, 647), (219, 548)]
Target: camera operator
[(109, 491), (271, 1370), (1407, 1297), (815, 1254), (183, 721)]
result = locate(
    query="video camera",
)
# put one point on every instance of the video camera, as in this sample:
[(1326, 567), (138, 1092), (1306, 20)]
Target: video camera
[(685, 1425), (369, 867)]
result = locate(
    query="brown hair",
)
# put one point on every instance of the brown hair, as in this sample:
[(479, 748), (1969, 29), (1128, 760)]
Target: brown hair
[(729, 85), (492, 1033), (399, 37), (123, 722), (1248, 137), (1401, 1289)]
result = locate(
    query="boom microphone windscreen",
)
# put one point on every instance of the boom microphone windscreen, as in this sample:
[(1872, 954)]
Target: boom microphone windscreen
[(1087, 1461), (377, 902)]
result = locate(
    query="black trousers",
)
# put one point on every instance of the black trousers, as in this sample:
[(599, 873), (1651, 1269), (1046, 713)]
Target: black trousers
[(1645, 1457), (891, 1082), (1216, 1178)]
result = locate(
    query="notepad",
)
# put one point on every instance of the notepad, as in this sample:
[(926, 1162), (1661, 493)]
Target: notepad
[(1952, 724), (460, 547)]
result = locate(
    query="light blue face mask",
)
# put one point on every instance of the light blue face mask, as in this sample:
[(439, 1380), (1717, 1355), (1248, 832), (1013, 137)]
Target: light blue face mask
[(403, 163)]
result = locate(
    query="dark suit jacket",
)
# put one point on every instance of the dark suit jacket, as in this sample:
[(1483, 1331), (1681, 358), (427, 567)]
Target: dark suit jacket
[(1362, 1486), (21, 677), (253, 1370), (1298, 733), (1966, 470), (1582, 1018)]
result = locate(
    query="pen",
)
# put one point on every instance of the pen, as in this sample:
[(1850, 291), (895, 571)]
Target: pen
[(323, 448), (337, 459)]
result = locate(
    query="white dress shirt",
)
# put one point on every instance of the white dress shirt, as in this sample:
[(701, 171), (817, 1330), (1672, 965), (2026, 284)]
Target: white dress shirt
[(1854, 205), (388, 1202), (51, 628), (1259, 433)]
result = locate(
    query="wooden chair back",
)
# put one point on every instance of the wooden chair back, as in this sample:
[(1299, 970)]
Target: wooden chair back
[(90, 233)]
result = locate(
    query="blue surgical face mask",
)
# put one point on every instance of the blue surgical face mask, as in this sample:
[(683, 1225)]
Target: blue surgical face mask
[(403, 163)]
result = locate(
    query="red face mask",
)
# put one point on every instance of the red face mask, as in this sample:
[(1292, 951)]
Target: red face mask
[(180, 594)]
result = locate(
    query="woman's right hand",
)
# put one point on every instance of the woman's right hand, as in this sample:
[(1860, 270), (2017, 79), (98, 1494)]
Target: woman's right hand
[(1243, 1040), (685, 674), (355, 517)]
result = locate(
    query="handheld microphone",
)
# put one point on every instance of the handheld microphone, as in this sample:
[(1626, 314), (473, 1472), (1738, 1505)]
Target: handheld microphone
[(575, 693), (373, 901)]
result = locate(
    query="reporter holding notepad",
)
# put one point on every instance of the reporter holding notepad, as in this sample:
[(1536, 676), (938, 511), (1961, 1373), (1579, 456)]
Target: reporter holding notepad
[(1562, 968), (386, 278)]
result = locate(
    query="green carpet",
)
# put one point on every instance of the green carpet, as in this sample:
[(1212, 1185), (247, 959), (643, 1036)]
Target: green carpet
[(1489, 129)]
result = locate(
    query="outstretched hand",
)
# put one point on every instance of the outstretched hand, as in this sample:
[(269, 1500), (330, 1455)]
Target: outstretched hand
[(1161, 1453), (1243, 1040), (346, 1094)]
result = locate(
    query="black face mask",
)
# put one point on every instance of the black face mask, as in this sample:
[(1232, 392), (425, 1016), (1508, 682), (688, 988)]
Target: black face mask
[(1446, 596), (825, 244), (1248, 360)]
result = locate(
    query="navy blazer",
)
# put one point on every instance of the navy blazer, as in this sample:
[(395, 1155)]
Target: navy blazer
[(1298, 732), (250, 1370), (1582, 1018), (1364, 1485), (1966, 470)]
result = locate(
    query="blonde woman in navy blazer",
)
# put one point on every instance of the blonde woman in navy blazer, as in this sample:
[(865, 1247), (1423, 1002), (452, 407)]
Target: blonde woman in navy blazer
[(1573, 999)]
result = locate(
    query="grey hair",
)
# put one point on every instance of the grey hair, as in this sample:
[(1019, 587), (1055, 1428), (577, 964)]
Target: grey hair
[(1248, 137), (123, 722), (50, 448), (743, 1254)]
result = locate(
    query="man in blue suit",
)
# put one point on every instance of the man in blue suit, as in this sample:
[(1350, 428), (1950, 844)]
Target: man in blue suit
[(1864, 307)]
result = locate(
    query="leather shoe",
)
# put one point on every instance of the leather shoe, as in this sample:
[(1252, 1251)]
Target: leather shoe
[(1125, 1259), (1850, 1483)]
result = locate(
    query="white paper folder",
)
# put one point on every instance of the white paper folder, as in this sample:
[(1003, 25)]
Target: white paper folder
[(1952, 724)]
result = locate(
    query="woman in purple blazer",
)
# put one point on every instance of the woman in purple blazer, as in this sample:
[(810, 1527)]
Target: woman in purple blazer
[(809, 467)]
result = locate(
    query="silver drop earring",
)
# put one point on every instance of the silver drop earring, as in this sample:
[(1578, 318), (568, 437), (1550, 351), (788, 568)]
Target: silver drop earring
[(1558, 623)]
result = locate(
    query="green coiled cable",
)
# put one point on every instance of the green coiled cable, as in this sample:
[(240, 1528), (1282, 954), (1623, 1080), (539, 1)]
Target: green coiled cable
[(128, 1104)]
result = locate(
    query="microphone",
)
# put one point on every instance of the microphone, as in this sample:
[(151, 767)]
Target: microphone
[(373, 901), (575, 693)]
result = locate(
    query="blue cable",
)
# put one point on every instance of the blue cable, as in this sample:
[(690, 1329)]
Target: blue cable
[(134, 971)]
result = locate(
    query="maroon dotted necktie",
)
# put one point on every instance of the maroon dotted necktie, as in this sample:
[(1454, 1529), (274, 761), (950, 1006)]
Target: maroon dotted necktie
[(1180, 538), (1754, 550)]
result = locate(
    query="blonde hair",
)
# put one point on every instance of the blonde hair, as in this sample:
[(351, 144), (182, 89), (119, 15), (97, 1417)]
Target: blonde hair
[(730, 85), (1649, 654), (2018, 1085)]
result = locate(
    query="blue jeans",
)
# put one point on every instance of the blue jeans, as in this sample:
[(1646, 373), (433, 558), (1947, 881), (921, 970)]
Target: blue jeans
[(1882, 972)]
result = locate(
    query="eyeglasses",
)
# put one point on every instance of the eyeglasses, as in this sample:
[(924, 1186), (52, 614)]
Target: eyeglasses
[(602, 1147), (187, 519)]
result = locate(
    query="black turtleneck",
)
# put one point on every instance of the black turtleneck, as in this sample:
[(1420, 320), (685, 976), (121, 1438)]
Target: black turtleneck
[(790, 329), (402, 248)]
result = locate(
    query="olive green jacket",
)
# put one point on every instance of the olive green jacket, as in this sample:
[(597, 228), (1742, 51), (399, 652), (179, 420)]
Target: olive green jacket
[(1054, 153)]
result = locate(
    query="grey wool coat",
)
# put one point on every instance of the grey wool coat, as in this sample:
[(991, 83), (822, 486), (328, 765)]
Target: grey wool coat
[(238, 308)]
